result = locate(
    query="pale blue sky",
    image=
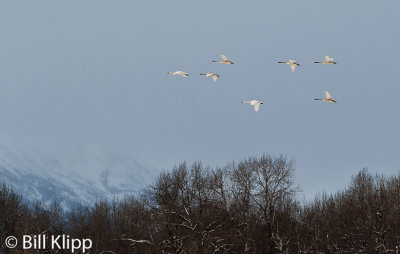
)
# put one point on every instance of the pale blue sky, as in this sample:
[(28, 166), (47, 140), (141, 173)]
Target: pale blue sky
[(78, 76)]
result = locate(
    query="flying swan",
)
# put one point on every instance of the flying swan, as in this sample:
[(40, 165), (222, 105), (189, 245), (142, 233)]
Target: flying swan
[(254, 103), (328, 98), (213, 75), (181, 73), (328, 60), (224, 60), (291, 63)]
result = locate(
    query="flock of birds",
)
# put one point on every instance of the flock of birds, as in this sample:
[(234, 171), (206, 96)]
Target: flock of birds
[(255, 103)]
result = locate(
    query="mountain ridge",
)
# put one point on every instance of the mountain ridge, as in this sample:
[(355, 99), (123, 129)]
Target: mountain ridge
[(83, 181)]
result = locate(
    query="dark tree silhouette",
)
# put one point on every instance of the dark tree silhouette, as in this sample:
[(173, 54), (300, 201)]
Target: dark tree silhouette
[(246, 207)]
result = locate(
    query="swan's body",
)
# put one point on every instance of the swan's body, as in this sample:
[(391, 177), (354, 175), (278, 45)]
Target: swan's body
[(328, 98), (254, 103), (181, 73), (328, 60), (291, 63), (213, 75), (224, 60)]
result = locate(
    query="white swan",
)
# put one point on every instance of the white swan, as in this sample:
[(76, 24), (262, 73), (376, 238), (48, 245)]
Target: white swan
[(291, 63), (328, 98), (213, 75), (254, 103), (181, 73), (328, 60), (225, 60)]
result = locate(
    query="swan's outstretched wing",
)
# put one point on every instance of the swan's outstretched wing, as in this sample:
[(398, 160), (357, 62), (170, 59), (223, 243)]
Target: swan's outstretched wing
[(224, 58), (256, 106), (292, 67), (327, 95), (328, 59), (214, 77)]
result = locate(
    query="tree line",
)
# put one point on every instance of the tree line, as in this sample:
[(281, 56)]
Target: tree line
[(247, 207)]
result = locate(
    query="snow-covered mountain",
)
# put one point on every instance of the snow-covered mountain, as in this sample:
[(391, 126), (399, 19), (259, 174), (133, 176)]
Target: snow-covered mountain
[(84, 180)]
